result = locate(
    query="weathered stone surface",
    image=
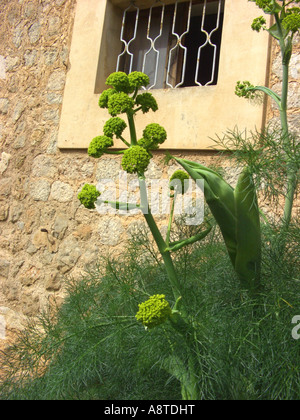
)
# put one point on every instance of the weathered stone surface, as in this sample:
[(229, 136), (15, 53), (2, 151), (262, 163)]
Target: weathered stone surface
[(17, 36), (16, 212), (60, 226), (5, 188), (110, 230), (61, 192), (14, 320), (43, 239), (108, 169), (11, 63), (4, 209), (50, 56), (68, 254), (53, 282), (30, 304), (2, 67), (153, 171), (83, 232), (19, 141), (54, 98), (18, 111), (43, 166), (56, 80), (4, 267), (37, 135), (54, 24), (4, 104), (30, 275), (34, 32), (51, 115), (40, 190), (4, 161), (30, 57)]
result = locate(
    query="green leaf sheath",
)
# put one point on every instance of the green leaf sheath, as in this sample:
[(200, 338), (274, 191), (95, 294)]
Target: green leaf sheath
[(219, 196), (248, 235), (237, 214)]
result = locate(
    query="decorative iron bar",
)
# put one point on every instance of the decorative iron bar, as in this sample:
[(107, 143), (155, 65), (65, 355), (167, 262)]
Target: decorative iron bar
[(169, 62), (208, 41)]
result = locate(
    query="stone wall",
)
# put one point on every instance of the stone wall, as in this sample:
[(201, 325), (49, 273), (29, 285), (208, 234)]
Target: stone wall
[(45, 234)]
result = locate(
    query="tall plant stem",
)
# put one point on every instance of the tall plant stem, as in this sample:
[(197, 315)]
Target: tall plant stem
[(133, 137), (291, 170), (161, 244)]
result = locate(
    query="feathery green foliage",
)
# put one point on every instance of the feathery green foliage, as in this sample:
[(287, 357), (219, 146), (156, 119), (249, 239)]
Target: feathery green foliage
[(94, 348)]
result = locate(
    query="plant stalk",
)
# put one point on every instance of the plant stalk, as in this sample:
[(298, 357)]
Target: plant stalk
[(161, 244), (291, 171)]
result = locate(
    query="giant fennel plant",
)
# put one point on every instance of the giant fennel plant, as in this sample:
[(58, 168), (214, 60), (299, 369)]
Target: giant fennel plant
[(123, 97), (234, 210)]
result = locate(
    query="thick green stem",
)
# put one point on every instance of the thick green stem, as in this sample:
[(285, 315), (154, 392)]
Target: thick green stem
[(133, 137), (161, 244), (291, 170)]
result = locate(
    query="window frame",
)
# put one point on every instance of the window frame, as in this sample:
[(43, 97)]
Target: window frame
[(191, 115)]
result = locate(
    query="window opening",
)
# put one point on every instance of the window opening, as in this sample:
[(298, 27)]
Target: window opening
[(176, 45)]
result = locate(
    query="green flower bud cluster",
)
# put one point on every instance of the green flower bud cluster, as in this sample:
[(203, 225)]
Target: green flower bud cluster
[(99, 145), (258, 23), (292, 21), (244, 89), (153, 135), (177, 182), (122, 97), (154, 311), (118, 103), (117, 98), (268, 6), (135, 159), (114, 126), (146, 102), (88, 196), (122, 82)]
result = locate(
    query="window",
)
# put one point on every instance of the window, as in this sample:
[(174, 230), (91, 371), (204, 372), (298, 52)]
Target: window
[(177, 45), (194, 105)]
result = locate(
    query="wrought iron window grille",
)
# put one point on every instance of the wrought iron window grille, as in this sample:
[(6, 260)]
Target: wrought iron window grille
[(177, 45)]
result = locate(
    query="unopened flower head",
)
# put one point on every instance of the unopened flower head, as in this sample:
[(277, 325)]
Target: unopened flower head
[(153, 135), (292, 21), (244, 89), (137, 80), (135, 159), (99, 145), (118, 103), (178, 181), (88, 196), (103, 100), (114, 126), (119, 81), (268, 6), (259, 23), (146, 101), (154, 311)]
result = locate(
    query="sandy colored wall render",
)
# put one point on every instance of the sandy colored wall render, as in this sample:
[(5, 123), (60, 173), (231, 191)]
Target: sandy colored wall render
[(44, 233)]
